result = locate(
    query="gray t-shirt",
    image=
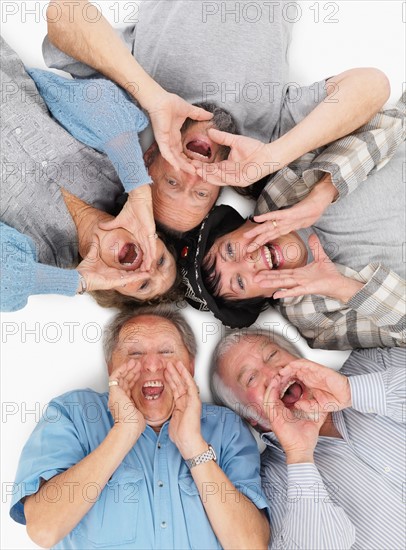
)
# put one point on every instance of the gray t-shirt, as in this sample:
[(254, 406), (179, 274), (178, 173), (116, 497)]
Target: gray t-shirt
[(204, 51), (38, 157), (368, 225)]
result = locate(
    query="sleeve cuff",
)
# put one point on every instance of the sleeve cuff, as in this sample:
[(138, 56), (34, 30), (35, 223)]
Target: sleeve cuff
[(48, 279), (368, 393), (125, 153), (305, 481)]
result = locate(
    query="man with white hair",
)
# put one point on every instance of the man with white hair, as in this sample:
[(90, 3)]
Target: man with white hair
[(334, 440), (145, 465)]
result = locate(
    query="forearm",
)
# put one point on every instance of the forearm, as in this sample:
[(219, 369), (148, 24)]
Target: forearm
[(353, 98), (236, 521), (93, 41), (50, 519)]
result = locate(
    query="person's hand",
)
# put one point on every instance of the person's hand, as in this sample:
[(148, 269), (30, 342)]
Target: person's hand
[(125, 414), (329, 390), (99, 276), (137, 217), (303, 214), (319, 277), (296, 432), (247, 162), (168, 112), (184, 425)]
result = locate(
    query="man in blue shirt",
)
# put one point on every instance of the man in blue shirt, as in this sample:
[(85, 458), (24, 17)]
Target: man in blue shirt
[(147, 465)]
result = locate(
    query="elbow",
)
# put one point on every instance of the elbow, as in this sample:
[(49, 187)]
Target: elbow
[(43, 536), (374, 86), (379, 85), (58, 17)]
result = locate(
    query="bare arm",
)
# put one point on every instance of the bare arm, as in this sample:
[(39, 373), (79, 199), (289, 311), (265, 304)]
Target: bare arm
[(75, 29), (353, 98), (79, 29), (49, 520)]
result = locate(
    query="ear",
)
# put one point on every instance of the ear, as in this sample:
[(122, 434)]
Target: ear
[(151, 154), (192, 366)]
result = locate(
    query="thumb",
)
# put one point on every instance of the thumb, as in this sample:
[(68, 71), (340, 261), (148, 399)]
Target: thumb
[(222, 138), (317, 249), (109, 225), (197, 113)]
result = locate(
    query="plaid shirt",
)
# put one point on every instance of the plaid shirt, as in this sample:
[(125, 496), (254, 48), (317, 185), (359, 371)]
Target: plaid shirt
[(375, 316)]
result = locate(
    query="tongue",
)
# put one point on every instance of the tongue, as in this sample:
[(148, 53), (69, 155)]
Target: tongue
[(200, 147), (293, 394), (129, 255), (152, 391)]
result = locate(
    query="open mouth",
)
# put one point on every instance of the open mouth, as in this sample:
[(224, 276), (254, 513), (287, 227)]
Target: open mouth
[(152, 389), (291, 393), (272, 255), (130, 256), (200, 147)]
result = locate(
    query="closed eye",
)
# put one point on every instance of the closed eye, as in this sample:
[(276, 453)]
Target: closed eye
[(161, 260), (271, 356)]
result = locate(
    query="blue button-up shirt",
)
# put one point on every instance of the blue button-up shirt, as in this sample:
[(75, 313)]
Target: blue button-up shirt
[(151, 500)]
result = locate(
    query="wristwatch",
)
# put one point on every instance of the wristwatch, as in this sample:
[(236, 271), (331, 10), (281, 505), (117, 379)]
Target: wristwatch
[(202, 458)]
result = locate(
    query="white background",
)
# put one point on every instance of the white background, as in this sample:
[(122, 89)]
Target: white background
[(53, 345)]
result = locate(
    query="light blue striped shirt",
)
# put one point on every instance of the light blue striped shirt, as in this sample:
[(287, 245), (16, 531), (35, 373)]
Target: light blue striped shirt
[(354, 494)]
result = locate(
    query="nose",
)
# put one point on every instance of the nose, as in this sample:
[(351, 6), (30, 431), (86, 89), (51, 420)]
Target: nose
[(153, 363), (251, 258), (191, 180)]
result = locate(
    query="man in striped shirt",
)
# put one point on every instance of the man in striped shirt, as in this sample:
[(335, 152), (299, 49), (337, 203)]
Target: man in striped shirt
[(334, 465)]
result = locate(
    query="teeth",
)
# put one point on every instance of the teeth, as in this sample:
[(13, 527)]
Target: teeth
[(268, 256), (277, 256), (151, 397), (153, 384), (285, 389)]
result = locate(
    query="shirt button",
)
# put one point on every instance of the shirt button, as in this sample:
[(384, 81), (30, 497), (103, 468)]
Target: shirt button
[(159, 445), (387, 469), (18, 131), (163, 524), (160, 483), (44, 163)]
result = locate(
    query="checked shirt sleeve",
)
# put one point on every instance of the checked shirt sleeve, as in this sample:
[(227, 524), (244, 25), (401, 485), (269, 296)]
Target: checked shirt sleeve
[(374, 317), (348, 160)]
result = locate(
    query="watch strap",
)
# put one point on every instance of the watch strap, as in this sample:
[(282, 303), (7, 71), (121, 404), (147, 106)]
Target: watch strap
[(207, 456)]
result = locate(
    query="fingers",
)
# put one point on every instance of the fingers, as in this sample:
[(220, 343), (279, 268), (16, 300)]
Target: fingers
[(109, 225), (222, 138), (197, 113), (290, 293), (180, 380), (125, 375), (316, 248), (175, 156), (219, 173), (116, 279)]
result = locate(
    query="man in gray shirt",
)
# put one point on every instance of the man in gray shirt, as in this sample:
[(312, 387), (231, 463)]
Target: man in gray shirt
[(203, 52)]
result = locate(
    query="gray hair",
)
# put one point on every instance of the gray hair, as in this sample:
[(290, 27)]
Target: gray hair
[(222, 394), (166, 311)]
